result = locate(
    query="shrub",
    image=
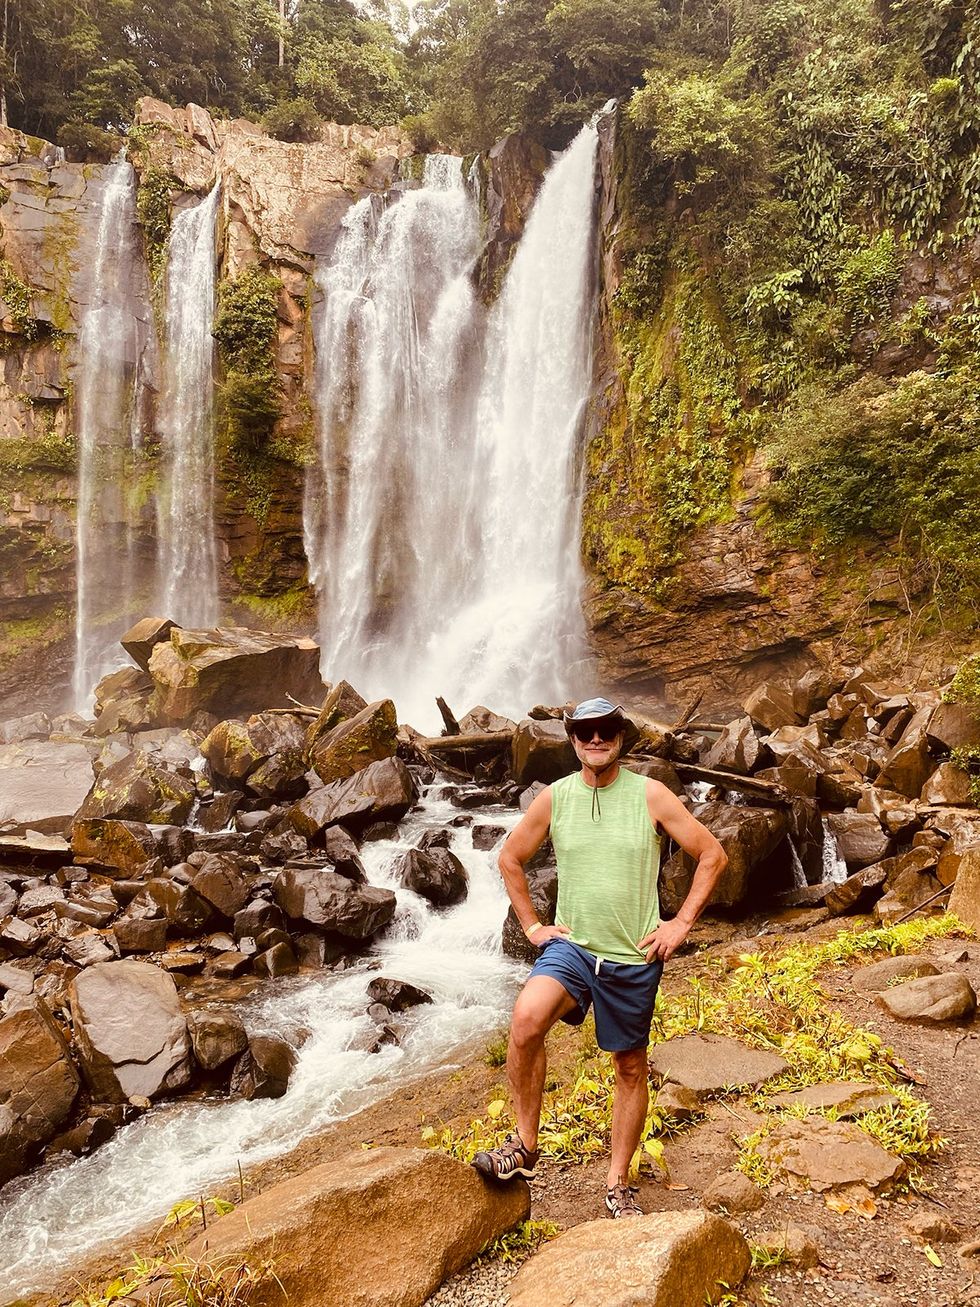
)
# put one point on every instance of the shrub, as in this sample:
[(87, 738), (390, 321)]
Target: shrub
[(293, 120), (86, 143)]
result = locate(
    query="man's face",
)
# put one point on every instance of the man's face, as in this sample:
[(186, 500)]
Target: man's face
[(597, 753)]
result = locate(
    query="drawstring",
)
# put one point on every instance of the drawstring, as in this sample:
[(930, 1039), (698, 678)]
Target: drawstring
[(596, 806)]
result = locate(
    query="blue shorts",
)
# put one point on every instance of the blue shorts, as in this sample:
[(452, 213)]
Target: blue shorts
[(622, 993)]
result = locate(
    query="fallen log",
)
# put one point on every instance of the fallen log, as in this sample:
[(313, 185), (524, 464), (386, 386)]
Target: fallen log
[(451, 724), (689, 771)]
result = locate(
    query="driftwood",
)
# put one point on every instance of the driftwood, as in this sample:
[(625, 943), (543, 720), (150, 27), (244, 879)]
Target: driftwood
[(692, 728), (689, 712), (924, 904), (452, 725), (482, 744), (688, 771)]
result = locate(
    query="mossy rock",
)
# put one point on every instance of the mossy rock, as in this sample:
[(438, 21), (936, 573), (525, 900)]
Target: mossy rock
[(354, 744)]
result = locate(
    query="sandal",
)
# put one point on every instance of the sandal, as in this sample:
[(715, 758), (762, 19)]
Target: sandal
[(511, 1158), (621, 1201)]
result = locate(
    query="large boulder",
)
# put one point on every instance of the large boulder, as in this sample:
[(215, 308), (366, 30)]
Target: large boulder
[(38, 1084), (232, 672), (217, 1035), (355, 743), (263, 1070), (771, 706), (540, 751), (859, 837), (130, 1032), (954, 726), (383, 1228), (828, 1154), (341, 704), (137, 789), (908, 764), (666, 1259), (220, 881), (749, 836), (931, 1000), (964, 902), (236, 749), (383, 791), (542, 883), (42, 782), (436, 874), (710, 1063), (116, 846), (333, 902), (140, 640), (948, 786), (737, 748)]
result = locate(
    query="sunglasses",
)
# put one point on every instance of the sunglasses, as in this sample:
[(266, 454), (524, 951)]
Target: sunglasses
[(607, 728)]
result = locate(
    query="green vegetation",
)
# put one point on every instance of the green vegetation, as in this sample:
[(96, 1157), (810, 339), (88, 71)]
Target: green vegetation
[(293, 120), (174, 1281), (245, 328), (17, 297), (51, 451), (965, 685), (517, 1244), (153, 197)]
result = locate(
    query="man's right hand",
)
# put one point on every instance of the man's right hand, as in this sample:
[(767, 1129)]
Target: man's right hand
[(542, 936)]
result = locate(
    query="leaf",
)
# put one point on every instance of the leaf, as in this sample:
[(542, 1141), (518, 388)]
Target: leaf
[(653, 1148), (932, 1255), (495, 1108), (838, 1203), (222, 1206), (428, 1133)]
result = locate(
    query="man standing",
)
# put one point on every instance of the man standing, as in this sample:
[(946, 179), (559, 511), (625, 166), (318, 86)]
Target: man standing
[(608, 945)]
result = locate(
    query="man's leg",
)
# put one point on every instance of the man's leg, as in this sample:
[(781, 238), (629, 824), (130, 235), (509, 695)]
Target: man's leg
[(629, 1111), (541, 1003)]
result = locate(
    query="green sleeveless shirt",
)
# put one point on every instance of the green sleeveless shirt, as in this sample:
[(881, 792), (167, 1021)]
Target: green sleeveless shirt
[(607, 869)]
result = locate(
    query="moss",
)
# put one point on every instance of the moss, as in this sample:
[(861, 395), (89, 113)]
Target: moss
[(289, 606), (154, 197), (965, 686), (16, 295), (51, 451)]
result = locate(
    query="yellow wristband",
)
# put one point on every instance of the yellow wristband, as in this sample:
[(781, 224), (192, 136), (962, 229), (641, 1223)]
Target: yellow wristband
[(529, 931)]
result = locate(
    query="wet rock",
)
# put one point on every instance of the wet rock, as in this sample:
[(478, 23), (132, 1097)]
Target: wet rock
[(231, 964), (283, 843), (231, 672), (123, 846), (949, 786), (436, 874), (711, 1063), (737, 748), (771, 706), (383, 791), (315, 950), (908, 764), (283, 776), (964, 902), (140, 935), (355, 743), (279, 960), (236, 750), (858, 893), (828, 1154), (219, 814), (486, 837), (340, 705), (666, 1259), (38, 1084), (137, 789), (220, 882), (263, 1071), (540, 751), (881, 975), (859, 837), (334, 903), (140, 640), (749, 837), (129, 1030), (954, 726), (543, 885), (42, 783), (658, 769), (258, 916), (83, 1138), (931, 1000), (733, 1193), (182, 906), (396, 995), (217, 1035), (848, 1099), (352, 1218)]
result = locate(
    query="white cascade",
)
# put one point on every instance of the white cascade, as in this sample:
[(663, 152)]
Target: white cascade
[(188, 556), (834, 866), (63, 1212), (442, 518), (109, 357)]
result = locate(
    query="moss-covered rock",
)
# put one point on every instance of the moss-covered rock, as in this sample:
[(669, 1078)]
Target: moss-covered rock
[(353, 744)]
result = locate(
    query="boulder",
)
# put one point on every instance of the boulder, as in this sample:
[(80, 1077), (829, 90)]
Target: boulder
[(789, 1244), (858, 893), (733, 1193), (827, 1154), (140, 640), (540, 751), (231, 672), (931, 1000), (121, 684), (812, 691), (666, 1259), (481, 720), (129, 1030), (42, 783), (543, 885), (115, 846), (948, 786), (333, 902), (236, 749), (485, 837), (38, 1084), (186, 911), (771, 706), (859, 837), (657, 769), (33, 726), (353, 1220), (848, 1099), (964, 902), (737, 749), (355, 743), (137, 789), (879, 976), (954, 726), (220, 882), (908, 764), (709, 1064), (341, 703), (383, 791), (263, 1070), (396, 995), (140, 935), (283, 776), (749, 836), (964, 836), (436, 874)]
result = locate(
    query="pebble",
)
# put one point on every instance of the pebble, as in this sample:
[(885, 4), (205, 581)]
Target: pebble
[(484, 1284)]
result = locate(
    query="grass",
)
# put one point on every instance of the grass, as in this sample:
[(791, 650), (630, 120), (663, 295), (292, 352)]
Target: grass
[(517, 1244), (174, 1281)]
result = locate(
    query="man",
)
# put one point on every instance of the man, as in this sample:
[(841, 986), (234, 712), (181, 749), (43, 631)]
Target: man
[(608, 945)]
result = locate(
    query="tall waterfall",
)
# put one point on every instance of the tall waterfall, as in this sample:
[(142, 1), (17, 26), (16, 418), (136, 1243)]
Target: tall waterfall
[(441, 520), (110, 347), (188, 564)]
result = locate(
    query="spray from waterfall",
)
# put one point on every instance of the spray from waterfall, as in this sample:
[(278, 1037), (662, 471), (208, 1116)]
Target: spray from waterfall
[(441, 520), (111, 342), (188, 555)]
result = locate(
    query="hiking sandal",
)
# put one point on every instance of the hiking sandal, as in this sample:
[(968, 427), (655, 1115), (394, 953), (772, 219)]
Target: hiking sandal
[(511, 1158), (621, 1201)]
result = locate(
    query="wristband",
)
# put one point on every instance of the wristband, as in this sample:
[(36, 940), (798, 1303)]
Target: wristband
[(529, 930)]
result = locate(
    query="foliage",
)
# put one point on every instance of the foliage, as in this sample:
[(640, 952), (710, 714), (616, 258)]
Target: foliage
[(50, 450), (17, 297), (87, 142), (293, 120), (517, 1244), (245, 328), (965, 685), (356, 81), (496, 1054), (175, 1281), (153, 197)]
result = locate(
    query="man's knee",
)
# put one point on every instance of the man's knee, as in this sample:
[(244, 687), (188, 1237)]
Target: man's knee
[(631, 1067), (529, 1023)]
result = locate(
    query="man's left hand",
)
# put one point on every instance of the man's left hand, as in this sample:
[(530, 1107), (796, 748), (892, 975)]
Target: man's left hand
[(664, 942)]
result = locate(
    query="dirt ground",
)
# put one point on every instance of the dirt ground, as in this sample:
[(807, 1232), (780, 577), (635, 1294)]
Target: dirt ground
[(867, 1261)]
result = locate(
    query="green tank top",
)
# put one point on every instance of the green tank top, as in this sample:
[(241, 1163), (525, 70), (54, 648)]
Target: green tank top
[(607, 869)]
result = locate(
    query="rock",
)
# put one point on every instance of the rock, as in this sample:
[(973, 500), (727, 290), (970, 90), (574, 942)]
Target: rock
[(140, 935), (734, 1194), (543, 885), (811, 692), (263, 1071), (749, 836), (828, 1154), (949, 786), (789, 1244), (481, 720), (258, 916), (930, 1227), (341, 704), (129, 1030), (396, 995), (182, 906), (383, 791), (140, 640), (858, 893), (231, 964), (666, 1259), (737, 749), (879, 976), (658, 769), (42, 898), (353, 1218), (333, 902), (954, 726), (931, 1000), (42, 783), (38, 1084), (220, 882), (486, 837), (231, 672), (354, 744), (964, 902), (17, 977), (964, 835), (216, 1035), (908, 765), (279, 960), (710, 1063), (436, 874), (236, 750), (283, 843), (123, 846), (859, 837), (84, 1138), (849, 1099), (219, 814), (33, 726), (540, 751), (679, 1101), (283, 776), (771, 706), (89, 949)]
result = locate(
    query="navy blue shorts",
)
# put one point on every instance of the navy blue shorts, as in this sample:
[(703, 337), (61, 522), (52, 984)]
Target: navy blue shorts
[(622, 993)]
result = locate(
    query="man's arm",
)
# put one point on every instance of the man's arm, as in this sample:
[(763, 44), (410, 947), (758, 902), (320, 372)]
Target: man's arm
[(666, 808), (519, 848)]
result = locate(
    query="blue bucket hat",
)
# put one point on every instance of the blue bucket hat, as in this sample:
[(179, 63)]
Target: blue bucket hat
[(593, 710)]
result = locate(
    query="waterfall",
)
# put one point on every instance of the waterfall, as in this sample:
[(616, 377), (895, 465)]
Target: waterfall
[(441, 521), (188, 564), (106, 384)]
